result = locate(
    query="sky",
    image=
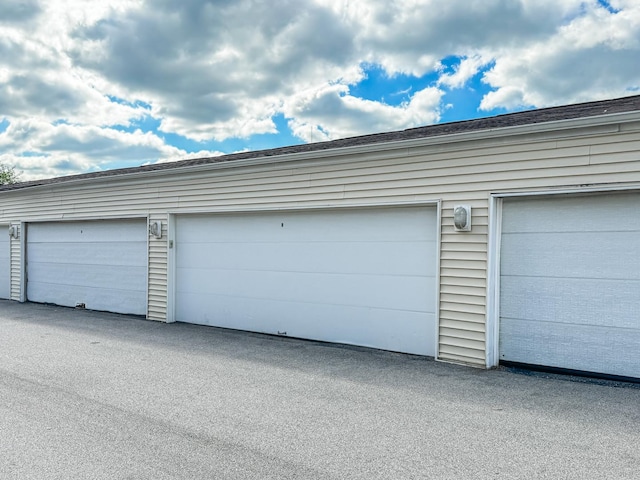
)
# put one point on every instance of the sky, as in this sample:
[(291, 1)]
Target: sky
[(90, 85)]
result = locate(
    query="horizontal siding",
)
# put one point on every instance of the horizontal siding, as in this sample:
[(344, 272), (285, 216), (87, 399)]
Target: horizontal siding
[(460, 340), (463, 301), (462, 272), (453, 289), (462, 282), (461, 172), (157, 279), (462, 326), (472, 255), (458, 314), (460, 355), (470, 308), (16, 265)]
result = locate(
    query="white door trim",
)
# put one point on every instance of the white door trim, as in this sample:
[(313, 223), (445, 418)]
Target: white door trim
[(84, 218), (171, 268), (493, 282), (23, 262), (569, 190), (328, 206), (437, 292)]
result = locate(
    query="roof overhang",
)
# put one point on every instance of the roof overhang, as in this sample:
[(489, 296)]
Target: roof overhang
[(582, 126)]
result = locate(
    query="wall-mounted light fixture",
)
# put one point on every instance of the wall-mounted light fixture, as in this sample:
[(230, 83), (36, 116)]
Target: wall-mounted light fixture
[(462, 218), (13, 231), (155, 229)]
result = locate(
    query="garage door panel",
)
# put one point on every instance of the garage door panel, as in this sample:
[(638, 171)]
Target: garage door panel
[(95, 253), (390, 258), (127, 301), (570, 285), (349, 225), (560, 301), (109, 231), (410, 333), (568, 255), (327, 275), (115, 277), (409, 293), (101, 264), (617, 213), (599, 349)]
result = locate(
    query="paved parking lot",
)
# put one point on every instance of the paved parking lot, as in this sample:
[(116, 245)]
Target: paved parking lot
[(101, 396)]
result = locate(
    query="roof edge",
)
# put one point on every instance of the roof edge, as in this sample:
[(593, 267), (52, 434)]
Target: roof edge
[(453, 132)]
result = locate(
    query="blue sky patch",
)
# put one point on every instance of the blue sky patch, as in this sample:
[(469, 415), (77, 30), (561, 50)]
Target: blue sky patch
[(230, 145), (393, 90), (458, 103), (145, 124), (28, 154), (134, 104), (608, 7)]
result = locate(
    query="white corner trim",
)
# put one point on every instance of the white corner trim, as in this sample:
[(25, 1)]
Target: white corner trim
[(171, 268), (493, 282), (147, 276), (23, 262), (437, 297)]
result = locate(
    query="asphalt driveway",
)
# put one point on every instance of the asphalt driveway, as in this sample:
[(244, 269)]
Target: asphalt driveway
[(102, 396)]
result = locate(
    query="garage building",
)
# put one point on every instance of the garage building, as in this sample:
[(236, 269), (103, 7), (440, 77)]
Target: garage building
[(504, 239)]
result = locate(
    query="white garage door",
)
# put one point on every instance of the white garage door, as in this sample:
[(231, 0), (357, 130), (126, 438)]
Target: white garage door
[(5, 263), (570, 283), (101, 264), (363, 277)]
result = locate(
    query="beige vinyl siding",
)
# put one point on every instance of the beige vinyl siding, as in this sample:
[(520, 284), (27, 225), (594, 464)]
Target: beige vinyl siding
[(449, 171), (157, 292), (463, 340), (16, 264)]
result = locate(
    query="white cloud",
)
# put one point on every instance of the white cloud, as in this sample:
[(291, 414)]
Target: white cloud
[(18, 11), (41, 149), (331, 112), (465, 70), (218, 70), (594, 56), (223, 71), (38, 81), (413, 36), (182, 155)]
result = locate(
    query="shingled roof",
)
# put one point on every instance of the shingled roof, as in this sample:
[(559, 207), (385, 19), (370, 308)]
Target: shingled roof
[(529, 117)]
